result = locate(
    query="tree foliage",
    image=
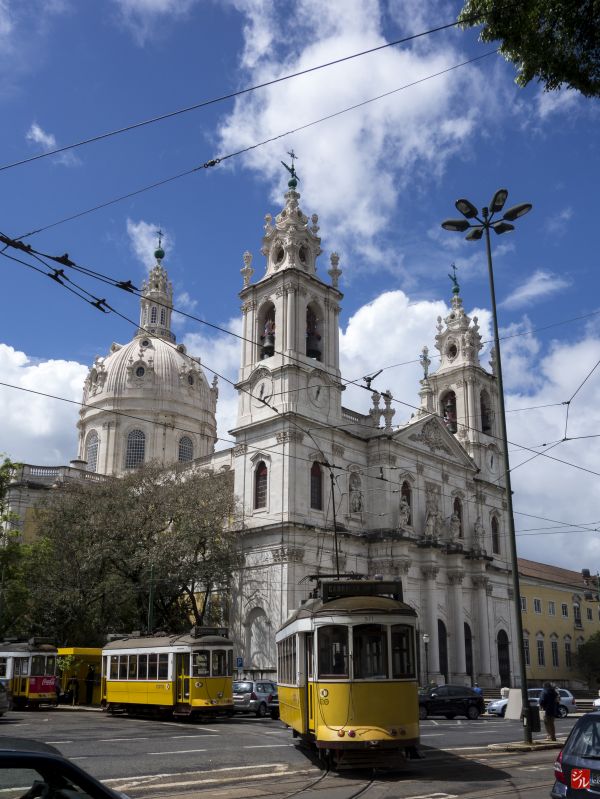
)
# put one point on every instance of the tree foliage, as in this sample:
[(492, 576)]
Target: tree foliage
[(588, 659), (555, 41), (111, 549)]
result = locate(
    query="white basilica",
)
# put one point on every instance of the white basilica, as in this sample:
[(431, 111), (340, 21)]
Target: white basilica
[(324, 489)]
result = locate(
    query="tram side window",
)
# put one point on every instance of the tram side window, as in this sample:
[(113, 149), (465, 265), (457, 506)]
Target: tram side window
[(229, 662), (403, 653), (286, 660), (163, 667), (114, 667), (370, 651), (309, 655), (2, 667), (37, 665), (219, 663), (143, 667), (132, 671), (200, 667), (153, 666), (333, 651), (51, 664), (123, 667)]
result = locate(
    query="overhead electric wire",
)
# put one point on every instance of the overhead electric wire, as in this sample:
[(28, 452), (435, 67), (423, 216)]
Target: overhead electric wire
[(232, 95), (215, 161)]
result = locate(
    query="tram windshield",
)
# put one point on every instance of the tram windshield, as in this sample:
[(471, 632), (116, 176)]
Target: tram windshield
[(333, 651), (200, 664), (369, 643), (42, 664), (219, 663)]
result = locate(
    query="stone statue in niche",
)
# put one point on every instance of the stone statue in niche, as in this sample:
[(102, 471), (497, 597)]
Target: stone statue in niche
[(454, 528), (404, 513), (432, 521), (356, 502), (478, 535)]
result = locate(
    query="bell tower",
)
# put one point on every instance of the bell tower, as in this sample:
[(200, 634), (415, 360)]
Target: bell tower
[(290, 347), (461, 391)]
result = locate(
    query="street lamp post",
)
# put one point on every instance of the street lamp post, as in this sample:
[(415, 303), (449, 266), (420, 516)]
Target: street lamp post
[(426, 645), (478, 226)]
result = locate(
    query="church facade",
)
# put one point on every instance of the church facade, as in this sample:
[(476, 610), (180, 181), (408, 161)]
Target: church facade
[(324, 489)]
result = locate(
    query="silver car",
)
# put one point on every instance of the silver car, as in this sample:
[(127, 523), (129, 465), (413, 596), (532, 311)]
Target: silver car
[(253, 696)]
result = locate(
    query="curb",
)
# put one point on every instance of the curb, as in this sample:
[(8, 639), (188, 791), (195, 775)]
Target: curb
[(521, 746)]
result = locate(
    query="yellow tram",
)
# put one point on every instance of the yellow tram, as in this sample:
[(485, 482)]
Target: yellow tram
[(28, 669), (347, 673), (180, 675)]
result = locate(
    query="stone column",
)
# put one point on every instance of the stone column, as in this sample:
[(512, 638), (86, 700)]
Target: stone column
[(291, 344), (472, 414), (483, 668), (459, 657), (431, 626), (333, 333)]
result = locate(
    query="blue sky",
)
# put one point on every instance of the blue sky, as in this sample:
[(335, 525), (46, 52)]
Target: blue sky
[(381, 178)]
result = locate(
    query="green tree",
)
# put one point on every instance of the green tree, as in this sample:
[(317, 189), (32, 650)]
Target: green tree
[(588, 659), (110, 549), (555, 41)]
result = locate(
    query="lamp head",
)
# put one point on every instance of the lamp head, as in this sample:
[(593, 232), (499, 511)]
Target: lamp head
[(474, 234), (517, 211), (466, 208), (456, 225), (425, 638), (502, 227), (498, 201)]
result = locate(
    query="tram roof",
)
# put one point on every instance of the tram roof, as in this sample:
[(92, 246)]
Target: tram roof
[(166, 641), (27, 647), (351, 606)]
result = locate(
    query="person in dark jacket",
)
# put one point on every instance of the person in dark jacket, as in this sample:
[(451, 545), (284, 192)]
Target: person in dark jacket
[(549, 701)]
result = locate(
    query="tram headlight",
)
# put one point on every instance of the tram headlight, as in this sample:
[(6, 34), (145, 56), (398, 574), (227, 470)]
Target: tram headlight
[(393, 733), (351, 734), (198, 684), (323, 693), (341, 733)]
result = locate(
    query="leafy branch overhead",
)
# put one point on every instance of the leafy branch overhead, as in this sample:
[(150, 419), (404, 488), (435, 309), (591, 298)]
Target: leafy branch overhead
[(556, 42)]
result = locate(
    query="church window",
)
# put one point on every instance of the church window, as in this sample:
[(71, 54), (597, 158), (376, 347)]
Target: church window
[(186, 449), (356, 501), (153, 315), (279, 254), (302, 254), (136, 449), (146, 343), (458, 511), (140, 371), (316, 487), (267, 331), (486, 412), (163, 316), (406, 501), (191, 380), (495, 536), (313, 336), (91, 451), (448, 409), (260, 485)]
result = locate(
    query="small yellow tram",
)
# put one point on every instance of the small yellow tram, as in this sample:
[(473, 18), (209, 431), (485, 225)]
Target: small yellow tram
[(180, 675), (347, 673), (28, 669)]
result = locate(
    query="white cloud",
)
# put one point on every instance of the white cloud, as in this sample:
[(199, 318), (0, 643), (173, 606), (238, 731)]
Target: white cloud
[(142, 17), (556, 224), (358, 165), (143, 239), (47, 141), (562, 101), (6, 21), (539, 286), (38, 429)]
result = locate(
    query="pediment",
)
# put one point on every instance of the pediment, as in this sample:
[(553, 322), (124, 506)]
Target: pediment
[(431, 436)]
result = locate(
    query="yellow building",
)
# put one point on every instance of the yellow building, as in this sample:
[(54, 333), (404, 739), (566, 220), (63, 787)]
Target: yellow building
[(560, 610)]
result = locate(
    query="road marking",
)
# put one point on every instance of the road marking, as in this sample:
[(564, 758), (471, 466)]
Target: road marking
[(434, 796), (266, 746), (188, 736), (179, 752), (83, 757), (110, 740), (123, 786), (58, 742), (433, 735)]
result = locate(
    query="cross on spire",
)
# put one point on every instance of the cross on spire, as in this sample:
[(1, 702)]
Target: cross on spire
[(159, 233), (455, 286)]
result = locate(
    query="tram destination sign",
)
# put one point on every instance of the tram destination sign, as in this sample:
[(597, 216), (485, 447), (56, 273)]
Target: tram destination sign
[(336, 589)]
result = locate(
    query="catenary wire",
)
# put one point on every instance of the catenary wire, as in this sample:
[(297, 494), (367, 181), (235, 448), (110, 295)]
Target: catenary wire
[(231, 95)]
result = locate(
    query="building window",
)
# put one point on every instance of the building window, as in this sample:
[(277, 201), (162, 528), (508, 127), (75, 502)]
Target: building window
[(153, 315), (458, 511), (568, 660), (260, 485), (564, 610), (486, 412), (554, 647), (523, 604), (91, 451), (136, 449), (495, 536), (537, 605), (163, 316), (448, 410), (526, 651), (316, 487), (540, 653), (551, 608), (186, 449), (577, 614), (314, 345), (590, 614)]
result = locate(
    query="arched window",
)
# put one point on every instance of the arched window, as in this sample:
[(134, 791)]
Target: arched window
[(313, 335), (458, 511), (405, 504), (448, 410), (267, 330), (356, 500), (136, 449), (316, 487), (163, 316), (153, 315), (186, 449), (495, 536), (260, 485), (486, 412), (91, 451)]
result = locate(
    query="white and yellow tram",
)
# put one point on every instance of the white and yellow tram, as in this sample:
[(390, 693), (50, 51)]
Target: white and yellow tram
[(347, 673), (180, 675), (28, 669)]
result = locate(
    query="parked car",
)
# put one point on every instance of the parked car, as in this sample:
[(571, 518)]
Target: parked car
[(4, 699), (577, 767), (34, 769), (567, 702), (252, 696), (273, 705), (451, 701)]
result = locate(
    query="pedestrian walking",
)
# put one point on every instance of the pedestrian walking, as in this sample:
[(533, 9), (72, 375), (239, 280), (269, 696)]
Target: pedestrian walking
[(90, 681), (549, 701)]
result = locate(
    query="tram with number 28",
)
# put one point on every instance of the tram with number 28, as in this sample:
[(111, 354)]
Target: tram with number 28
[(179, 675), (347, 673), (28, 669)]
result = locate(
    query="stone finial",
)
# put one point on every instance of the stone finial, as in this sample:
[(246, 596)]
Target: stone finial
[(388, 412), (335, 271), (268, 226), (440, 326), (425, 362), (375, 411), (315, 228), (247, 270)]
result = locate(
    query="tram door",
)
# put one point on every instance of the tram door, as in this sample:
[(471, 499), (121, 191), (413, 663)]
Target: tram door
[(182, 661), (311, 686), (21, 673)]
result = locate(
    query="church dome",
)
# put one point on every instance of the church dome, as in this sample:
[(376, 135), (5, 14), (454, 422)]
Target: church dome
[(147, 400)]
